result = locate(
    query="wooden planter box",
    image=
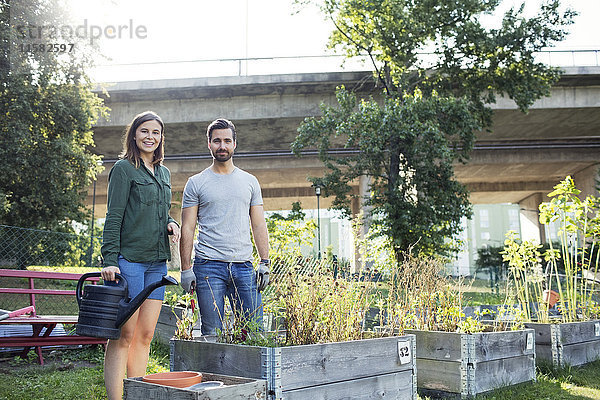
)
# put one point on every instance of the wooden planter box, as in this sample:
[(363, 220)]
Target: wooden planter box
[(465, 365), (565, 344), (378, 368), (234, 388), (166, 325)]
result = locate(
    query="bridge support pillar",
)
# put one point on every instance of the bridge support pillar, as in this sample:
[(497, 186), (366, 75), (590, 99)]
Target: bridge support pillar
[(585, 180), (531, 229)]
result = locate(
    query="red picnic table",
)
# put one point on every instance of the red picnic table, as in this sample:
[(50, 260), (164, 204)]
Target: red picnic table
[(42, 325), (41, 337)]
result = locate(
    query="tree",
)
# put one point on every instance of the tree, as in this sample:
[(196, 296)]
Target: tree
[(48, 110), (431, 108), (489, 259)]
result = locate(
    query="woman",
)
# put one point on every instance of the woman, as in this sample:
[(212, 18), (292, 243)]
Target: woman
[(135, 242)]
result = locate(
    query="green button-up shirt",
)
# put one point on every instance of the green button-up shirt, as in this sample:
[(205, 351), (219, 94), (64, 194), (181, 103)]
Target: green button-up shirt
[(138, 214)]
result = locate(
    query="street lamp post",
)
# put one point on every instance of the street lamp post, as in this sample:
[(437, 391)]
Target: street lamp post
[(99, 163), (318, 193), (92, 231)]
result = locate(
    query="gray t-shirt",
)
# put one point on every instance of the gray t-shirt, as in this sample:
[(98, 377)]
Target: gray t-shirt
[(224, 203)]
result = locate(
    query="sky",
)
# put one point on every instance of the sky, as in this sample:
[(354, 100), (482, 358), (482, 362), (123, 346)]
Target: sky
[(172, 36)]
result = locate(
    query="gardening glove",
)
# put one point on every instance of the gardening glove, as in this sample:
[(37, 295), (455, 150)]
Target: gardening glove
[(262, 275), (188, 280)]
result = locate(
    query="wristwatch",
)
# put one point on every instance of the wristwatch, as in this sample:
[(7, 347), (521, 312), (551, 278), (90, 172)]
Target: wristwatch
[(265, 261)]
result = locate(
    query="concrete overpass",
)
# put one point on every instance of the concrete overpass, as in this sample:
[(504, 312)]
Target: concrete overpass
[(518, 162)]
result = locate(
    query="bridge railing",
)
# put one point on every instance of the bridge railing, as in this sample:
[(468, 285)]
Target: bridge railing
[(292, 64)]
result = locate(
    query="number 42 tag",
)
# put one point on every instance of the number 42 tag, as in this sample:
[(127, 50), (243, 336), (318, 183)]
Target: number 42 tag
[(404, 351)]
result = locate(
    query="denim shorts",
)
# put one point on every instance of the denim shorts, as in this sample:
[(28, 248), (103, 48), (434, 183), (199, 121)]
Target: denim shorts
[(141, 275)]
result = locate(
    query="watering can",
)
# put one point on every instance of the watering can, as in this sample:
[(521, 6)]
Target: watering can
[(104, 309)]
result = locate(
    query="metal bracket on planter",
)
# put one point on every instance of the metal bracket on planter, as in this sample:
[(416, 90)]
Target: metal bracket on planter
[(556, 345), (531, 346), (171, 355), (468, 364), (407, 350), (464, 379), (413, 339), (271, 371)]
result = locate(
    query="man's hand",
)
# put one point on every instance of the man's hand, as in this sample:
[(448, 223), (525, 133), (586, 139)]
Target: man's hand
[(262, 275), (188, 280)]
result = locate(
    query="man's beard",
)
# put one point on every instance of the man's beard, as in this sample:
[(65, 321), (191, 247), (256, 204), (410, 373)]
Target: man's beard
[(222, 157)]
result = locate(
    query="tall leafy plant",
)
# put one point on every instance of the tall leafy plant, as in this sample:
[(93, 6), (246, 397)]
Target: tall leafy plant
[(570, 267), (527, 276), (579, 231)]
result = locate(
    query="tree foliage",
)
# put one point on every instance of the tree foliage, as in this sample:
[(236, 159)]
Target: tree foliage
[(489, 259), (466, 58), (288, 234), (431, 108), (48, 110)]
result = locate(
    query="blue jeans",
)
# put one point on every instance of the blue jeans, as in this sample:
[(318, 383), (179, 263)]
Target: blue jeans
[(216, 280), (141, 275)]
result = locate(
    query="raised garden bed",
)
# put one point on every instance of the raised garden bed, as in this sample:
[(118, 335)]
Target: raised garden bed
[(564, 344), (378, 368), (464, 365), (234, 388), (166, 325)]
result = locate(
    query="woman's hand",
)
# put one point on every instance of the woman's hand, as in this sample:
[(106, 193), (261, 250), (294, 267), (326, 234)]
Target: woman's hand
[(108, 273), (174, 230)]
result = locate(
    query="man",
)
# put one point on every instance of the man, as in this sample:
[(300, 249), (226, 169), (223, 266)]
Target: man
[(225, 201)]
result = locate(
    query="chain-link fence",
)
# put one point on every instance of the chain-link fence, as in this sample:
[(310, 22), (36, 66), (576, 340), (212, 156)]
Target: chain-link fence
[(299, 266), (25, 248), (35, 249)]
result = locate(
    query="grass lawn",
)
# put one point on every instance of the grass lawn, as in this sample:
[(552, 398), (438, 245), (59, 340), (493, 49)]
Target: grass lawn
[(478, 292), (567, 383), (77, 374)]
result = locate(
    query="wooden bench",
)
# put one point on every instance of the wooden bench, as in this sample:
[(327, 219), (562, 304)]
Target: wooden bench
[(41, 337)]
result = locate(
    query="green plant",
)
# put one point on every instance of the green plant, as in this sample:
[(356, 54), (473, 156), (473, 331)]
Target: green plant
[(469, 325), (526, 275), (51, 109), (408, 141), (288, 234), (318, 308), (579, 230), (173, 299), (568, 265), (242, 329), (92, 354), (159, 358), (420, 297), (189, 315)]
